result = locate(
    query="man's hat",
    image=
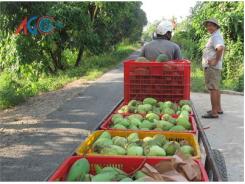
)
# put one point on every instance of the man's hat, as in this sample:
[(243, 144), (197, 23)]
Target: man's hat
[(214, 21), (164, 27)]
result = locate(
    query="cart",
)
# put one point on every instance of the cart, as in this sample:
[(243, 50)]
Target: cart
[(178, 74), (214, 160)]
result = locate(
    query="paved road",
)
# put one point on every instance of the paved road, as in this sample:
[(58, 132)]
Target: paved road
[(61, 132), (227, 132)]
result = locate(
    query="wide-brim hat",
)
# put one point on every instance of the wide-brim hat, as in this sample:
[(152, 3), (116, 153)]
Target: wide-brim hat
[(214, 21)]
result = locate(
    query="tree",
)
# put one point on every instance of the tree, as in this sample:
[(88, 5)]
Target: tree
[(95, 27), (192, 36)]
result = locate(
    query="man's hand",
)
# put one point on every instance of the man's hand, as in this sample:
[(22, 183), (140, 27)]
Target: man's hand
[(219, 51), (212, 62)]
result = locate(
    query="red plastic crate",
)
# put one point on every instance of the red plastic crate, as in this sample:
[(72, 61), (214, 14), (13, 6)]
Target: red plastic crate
[(106, 125), (128, 165), (163, 81)]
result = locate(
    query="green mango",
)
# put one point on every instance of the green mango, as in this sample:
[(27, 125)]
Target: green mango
[(97, 169), (159, 139), (184, 102), (134, 121), (105, 134), (124, 122), (119, 141), (151, 101), (132, 103), (119, 126), (115, 116), (184, 122), (149, 141), (124, 109), (113, 150), (133, 138), (164, 125), (135, 116), (87, 178), (141, 59), (139, 174), (117, 120), (186, 108), (101, 143), (162, 58), (141, 109), (156, 110), (78, 170), (105, 176), (133, 127), (166, 117), (171, 147), (144, 108), (172, 120), (168, 111), (177, 128), (146, 124), (135, 151), (132, 109), (165, 105), (154, 150), (152, 116), (187, 150)]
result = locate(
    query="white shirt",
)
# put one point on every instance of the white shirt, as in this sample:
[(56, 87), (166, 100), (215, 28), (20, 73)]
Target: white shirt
[(209, 52)]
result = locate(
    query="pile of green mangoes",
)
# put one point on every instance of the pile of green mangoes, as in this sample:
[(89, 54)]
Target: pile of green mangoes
[(79, 171), (152, 105), (158, 145), (146, 115)]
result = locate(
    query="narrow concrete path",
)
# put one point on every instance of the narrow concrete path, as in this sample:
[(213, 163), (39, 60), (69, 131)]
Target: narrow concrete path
[(226, 133)]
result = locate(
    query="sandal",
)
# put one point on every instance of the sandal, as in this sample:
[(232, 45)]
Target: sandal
[(221, 112), (210, 116)]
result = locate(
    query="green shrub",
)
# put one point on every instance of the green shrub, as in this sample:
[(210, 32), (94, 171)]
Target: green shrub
[(17, 87), (10, 93)]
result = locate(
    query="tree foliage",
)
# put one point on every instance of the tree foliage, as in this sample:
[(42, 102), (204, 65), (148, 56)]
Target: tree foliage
[(192, 37), (92, 27)]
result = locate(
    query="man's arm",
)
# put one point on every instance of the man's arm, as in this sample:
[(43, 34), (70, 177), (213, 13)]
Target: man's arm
[(219, 52), (219, 48)]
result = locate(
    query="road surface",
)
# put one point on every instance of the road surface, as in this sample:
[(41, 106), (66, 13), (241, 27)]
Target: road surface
[(32, 156)]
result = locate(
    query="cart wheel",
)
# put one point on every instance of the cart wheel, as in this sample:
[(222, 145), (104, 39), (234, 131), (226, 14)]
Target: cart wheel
[(220, 162)]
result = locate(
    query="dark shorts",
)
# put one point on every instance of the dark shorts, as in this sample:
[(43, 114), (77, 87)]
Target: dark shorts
[(212, 78)]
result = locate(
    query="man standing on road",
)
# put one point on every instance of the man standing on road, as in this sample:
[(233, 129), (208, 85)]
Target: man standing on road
[(212, 64), (162, 44)]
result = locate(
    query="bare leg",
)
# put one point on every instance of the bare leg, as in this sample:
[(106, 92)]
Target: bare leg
[(214, 101), (211, 99), (219, 102)]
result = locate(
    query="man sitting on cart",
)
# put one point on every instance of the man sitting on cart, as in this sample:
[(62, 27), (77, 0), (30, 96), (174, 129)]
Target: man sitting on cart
[(161, 44)]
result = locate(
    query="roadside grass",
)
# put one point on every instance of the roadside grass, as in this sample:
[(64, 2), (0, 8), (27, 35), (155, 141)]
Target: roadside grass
[(14, 91), (197, 80), (198, 83)]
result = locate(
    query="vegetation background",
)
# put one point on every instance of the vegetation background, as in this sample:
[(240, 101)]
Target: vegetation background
[(192, 37), (96, 36)]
